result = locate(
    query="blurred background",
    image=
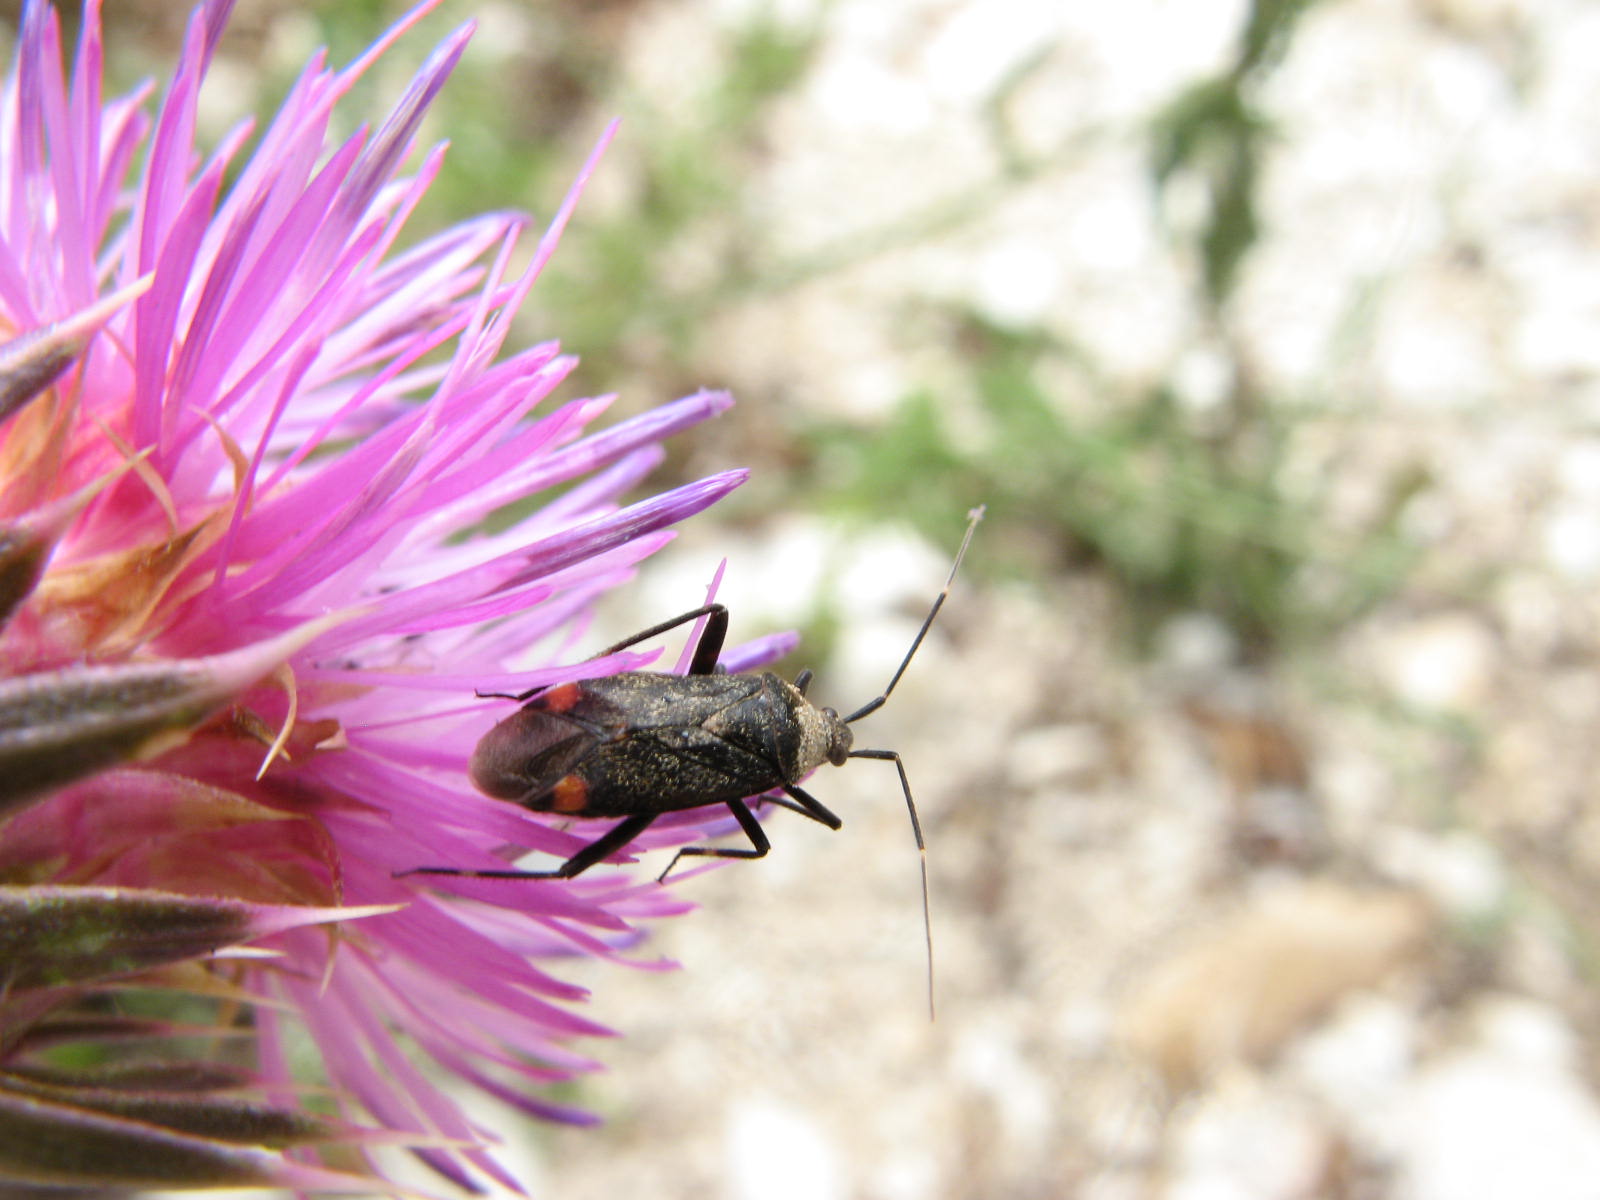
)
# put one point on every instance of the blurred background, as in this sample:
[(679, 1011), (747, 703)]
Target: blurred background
[(1254, 747)]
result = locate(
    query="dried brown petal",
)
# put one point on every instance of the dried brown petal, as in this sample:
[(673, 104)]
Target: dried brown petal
[(58, 726), (223, 1118), (56, 936), (25, 543), (65, 1143), (34, 360)]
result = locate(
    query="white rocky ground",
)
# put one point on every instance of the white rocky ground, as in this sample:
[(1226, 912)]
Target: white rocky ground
[(1203, 931)]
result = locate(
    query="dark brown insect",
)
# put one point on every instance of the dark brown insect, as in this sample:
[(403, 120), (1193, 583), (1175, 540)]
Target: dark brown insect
[(643, 743)]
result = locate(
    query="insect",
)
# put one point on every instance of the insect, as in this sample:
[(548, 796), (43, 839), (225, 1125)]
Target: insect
[(643, 743)]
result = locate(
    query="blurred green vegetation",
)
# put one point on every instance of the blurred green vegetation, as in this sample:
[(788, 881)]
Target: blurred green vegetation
[(1184, 519), (1184, 510)]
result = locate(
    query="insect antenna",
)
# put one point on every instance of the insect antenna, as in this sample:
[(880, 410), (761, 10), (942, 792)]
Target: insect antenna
[(873, 705), (877, 702)]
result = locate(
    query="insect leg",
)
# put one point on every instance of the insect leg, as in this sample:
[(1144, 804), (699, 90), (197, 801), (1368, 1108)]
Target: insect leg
[(603, 847), (792, 806), (778, 801), (709, 648), (922, 849), (752, 830), (809, 806), (705, 654), (716, 630)]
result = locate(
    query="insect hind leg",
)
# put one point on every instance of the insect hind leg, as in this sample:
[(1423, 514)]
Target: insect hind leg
[(603, 847)]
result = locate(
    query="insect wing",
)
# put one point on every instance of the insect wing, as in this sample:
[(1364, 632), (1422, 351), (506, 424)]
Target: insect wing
[(651, 700), (666, 758), (525, 755)]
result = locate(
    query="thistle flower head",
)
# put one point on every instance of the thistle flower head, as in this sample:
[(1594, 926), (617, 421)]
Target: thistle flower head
[(248, 443)]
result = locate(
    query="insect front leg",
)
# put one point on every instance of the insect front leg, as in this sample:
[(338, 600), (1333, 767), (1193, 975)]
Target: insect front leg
[(809, 806)]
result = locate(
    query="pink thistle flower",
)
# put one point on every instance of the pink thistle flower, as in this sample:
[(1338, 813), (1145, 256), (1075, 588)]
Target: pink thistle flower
[(247, 447)]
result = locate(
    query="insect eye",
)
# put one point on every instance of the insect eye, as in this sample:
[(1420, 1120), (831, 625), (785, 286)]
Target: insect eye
[(843, 739)]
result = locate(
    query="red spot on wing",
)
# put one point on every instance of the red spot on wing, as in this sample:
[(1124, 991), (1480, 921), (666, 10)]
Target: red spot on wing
[(561, 697), (570, 795)]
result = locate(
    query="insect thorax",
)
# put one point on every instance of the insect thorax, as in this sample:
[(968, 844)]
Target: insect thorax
[(823, 736)]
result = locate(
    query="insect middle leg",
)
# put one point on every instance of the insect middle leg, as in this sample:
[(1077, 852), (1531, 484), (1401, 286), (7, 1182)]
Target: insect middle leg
[(802, 803), (759, 845)]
